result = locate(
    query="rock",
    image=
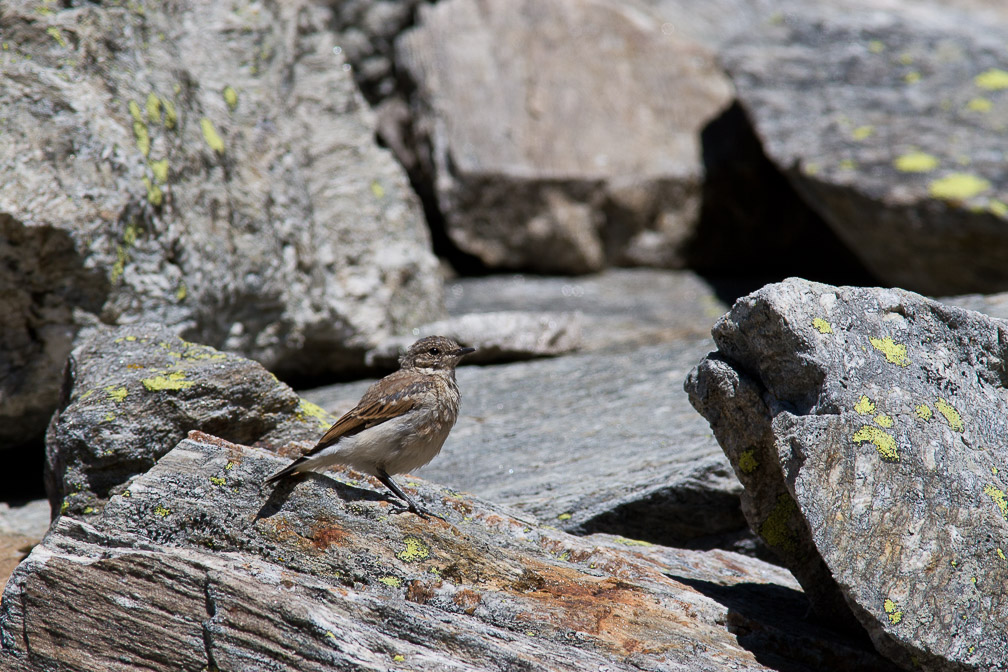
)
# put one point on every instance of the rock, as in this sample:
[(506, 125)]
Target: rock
[(868, 426), (237, 197), (892, 128), (21, 527), (501, 336), (198, 566), (601, 442), (134, 392), (514, 111)]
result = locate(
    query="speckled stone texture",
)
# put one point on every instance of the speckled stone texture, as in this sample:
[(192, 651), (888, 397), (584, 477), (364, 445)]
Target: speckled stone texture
[(894, 130), (197, 566), (210, 166), (868, 427)]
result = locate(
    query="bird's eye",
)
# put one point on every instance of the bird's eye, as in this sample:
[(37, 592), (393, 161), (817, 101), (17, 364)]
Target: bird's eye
[(434, 351)]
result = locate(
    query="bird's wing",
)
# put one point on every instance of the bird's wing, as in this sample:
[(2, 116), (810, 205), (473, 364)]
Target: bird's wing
[(389, 398)]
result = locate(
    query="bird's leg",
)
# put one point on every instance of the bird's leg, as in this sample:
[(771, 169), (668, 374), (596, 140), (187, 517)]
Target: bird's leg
[(396, 490)]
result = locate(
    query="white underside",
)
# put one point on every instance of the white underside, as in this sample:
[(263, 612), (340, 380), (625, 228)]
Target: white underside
[(398, 446)]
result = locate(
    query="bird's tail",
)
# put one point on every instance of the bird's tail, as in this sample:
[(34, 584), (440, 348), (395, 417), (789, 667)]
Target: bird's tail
[(291, 468)]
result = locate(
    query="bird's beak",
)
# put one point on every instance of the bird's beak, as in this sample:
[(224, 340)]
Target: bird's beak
[(462, 352)]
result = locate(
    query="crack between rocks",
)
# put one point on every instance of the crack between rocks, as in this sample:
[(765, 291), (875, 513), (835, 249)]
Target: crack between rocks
[(211, 610)]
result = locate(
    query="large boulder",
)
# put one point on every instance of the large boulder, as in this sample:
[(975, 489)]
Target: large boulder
[(891, 125), (197, 566), (868, 427), (561, 136), (207, 167)]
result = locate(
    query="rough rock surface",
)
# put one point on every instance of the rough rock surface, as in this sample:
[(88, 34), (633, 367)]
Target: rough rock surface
[(516, 104), (593, 442), (207, 570), (894, 131), (237, 196), (133, 393), (868, 427)]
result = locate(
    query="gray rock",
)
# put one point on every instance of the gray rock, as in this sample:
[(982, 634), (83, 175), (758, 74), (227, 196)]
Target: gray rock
[(868, 428), (21, 527), (236, 196), (515, 108), (501, 336), (134, 392), (197, 566), (595, 442), (892, 128)]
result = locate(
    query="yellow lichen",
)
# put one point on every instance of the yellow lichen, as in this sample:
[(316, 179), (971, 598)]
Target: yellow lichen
[(876, 46), (392, 581), (864, 406), (999, 552), (153, 108), (218, 480), (895, 353), (230, 97), (884, 442), (893, 611), (992, 80), (923, 412), (398, 658), (776, 528), (847, 164), (181, 292), (951, 415), (999, 498), (162, 511), (306, 409), (747, 462), (415, 550), (142, 137), (154, 194), (916, 162), (210, 135), (863, 132), (958, 187), (564, 516), (172, 381), (883, 420), (116, 393), (54, 32), (632, 542), (822, 326), (979, 104), (170, 115), (912, 77), (999, 208), (160, 170), (377, 189)]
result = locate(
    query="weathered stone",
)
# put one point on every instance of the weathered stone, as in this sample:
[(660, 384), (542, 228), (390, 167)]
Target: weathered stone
[(868, 427), (197, 566), (893, 128), (236, 196), (501, 336), (134, 392), (593, 442), (517, 105)]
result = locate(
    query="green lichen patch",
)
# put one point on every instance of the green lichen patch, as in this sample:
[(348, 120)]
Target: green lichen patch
[(230, 97), (923, 411), (391, 581), (864, 406), (117, 394), (56, 34), (822, 326), (160, 170), (876, 46), (142, 135), (162, 511), (747, 462), (916, 162), (992, 80), (564, 516), (210, 135), (863, 132), (181, 292), (979, 104), (776, 529), (414, 551), (377, 189), (958, 187), (171, 381), (306, 411), (884, 420), (153, 108), (134, 110), (999, 208), (951, 415), (998, 496), (170, 114), (895, 353), (632, 542), (218, 480), (154, 194), (893, 611), (884, 442)]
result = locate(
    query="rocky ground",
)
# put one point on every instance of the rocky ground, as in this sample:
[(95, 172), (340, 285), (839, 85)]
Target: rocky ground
[(668, 457)]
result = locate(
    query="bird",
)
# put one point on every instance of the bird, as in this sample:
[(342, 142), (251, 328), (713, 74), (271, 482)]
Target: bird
[(399, 424)]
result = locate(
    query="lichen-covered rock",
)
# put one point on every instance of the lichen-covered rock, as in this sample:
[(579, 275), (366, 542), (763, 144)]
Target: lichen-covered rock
[(133, 393), (208, 166), (560, 136), (868, 427), (197, 566), (894, 131)]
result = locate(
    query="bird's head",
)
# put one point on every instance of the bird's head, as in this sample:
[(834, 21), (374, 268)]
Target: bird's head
[(434, 353)]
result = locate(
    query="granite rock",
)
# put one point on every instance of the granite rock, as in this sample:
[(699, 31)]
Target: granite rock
[(867, 426), (197, 566), (237, 196)]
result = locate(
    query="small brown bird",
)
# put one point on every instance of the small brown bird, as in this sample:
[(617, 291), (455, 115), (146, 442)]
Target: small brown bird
[(399, 424)]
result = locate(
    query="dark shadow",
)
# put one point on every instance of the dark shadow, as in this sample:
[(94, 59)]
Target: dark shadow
[(753, 221), (777, 625), (21, 479), (348, 493)]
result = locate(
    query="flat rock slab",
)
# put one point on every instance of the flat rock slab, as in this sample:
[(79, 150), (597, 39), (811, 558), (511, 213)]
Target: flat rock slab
[(894, 131), (868, 427), (517, 102), (593, 442), (198, 567)]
